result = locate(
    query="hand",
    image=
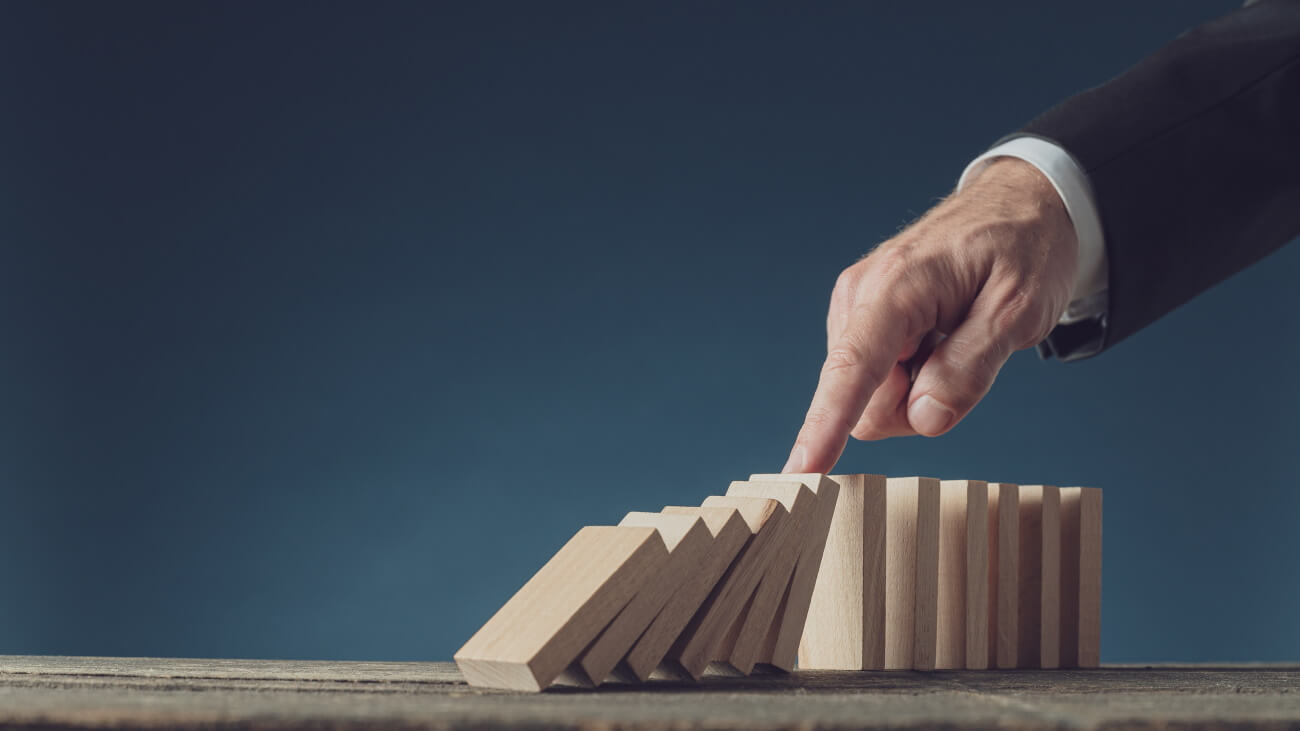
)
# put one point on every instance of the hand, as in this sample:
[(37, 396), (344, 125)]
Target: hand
[(918, 329)]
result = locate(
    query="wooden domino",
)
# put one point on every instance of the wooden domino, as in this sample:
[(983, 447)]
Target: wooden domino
[(1008, 586), (911, 571), (1038, 620), (845, 627), (963, 575), (1080, 576)]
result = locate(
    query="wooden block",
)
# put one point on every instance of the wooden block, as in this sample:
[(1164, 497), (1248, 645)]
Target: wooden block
[(1039, 610), (980, 576), (761, 617), (908, 502), (781, 650), (699, 643), (730, 532), (688, 541), (535, 636), (963, 575), (925, 641), (845, 629), (1090, 578), (1008, 587), (1050, 636), (1080, 576)]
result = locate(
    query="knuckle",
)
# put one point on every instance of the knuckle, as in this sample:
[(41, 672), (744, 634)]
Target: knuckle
[(816, 419), (842, 358), (1021, 319), (890, 264)]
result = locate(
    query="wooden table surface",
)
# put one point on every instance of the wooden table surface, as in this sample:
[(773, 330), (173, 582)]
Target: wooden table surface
[(119, 693)]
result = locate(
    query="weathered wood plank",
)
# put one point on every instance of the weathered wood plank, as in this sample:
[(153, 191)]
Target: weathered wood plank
[(130, 693)]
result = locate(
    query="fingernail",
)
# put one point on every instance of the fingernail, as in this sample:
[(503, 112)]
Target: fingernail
[(928, 416), (795, 463)]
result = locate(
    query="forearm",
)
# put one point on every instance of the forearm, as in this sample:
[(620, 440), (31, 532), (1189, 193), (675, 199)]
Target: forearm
[(1193, 158)]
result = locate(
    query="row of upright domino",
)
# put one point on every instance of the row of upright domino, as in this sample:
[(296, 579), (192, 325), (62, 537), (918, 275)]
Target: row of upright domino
[(929, 574)]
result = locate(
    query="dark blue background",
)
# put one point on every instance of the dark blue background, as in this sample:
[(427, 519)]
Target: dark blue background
[(325, 324)]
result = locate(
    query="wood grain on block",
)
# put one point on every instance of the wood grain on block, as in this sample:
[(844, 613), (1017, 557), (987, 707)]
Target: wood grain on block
[(904, 501), (781, 650), (535, 636), (699, 642), (1049, 644), (845, 629), (757, 622), (1070, 577), (991, 531), (1080, 576), (1090, 578), (1039, 610), (925, 640), (950, 633), (963, 575), (688, 541), (730, 533), (1008, 603)]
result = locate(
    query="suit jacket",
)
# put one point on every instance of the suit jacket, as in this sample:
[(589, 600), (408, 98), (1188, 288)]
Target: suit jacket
[(1194, 160)]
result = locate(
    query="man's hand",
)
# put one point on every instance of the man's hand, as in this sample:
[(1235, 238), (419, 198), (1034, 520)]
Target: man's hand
[(918, 330)]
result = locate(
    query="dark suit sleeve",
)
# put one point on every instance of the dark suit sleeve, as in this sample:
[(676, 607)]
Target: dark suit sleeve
[(1194, 160)]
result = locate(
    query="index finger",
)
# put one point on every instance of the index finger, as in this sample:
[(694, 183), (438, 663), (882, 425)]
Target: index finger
[(855, 367)]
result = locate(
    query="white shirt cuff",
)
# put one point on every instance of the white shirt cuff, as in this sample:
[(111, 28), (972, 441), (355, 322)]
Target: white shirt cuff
[(1071, 183)]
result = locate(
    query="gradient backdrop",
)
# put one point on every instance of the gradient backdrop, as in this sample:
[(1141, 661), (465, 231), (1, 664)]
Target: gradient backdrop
[(325, 324)]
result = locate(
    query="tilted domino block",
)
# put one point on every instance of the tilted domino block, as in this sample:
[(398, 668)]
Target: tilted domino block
[(547, 624)]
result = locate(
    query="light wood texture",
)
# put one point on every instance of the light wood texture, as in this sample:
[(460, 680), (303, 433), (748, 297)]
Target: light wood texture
[(950, 643), (762, 615), (911, 570), (845, 629), (699, 643), (781, 649), (1080, 576), (926, 629), (543, 628), (1050, 635), (730, 533), (963, 630), (1039, 607), (1090, 578), (1008, 531), (991, 531), (688, 541)]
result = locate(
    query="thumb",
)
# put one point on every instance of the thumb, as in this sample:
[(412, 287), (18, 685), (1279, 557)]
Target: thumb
[(957, 375)]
